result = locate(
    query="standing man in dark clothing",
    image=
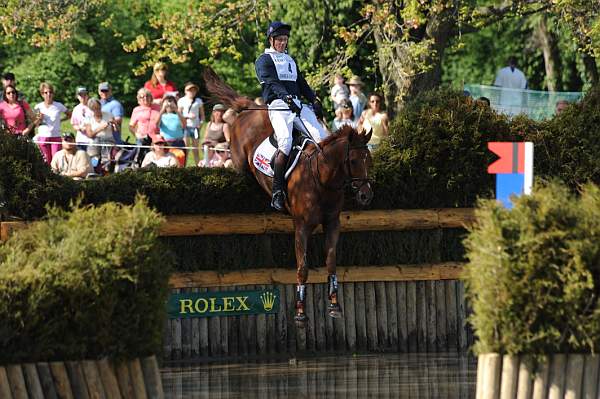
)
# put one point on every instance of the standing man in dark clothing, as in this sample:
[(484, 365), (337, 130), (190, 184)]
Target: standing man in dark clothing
[(282, 87)]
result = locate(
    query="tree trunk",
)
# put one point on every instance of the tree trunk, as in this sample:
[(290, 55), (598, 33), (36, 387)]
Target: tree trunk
[(402, 72), (548, 43), (591, 69)]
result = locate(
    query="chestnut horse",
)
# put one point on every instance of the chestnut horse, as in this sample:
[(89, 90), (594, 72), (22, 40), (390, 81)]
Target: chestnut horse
[(315, 187)]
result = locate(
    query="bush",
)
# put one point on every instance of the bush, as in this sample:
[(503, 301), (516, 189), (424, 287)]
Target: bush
[(26, 181), (436, 155), (84, 284), (533, 276), (567, 146)]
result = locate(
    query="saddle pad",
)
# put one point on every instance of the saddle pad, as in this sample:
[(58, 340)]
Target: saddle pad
[(265, 152)]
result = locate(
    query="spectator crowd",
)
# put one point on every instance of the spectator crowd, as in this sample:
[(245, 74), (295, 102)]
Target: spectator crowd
[(166, 124)]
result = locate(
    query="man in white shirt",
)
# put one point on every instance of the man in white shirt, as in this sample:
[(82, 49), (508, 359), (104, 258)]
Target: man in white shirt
[(512, 81), (511, 77), (70, 161)]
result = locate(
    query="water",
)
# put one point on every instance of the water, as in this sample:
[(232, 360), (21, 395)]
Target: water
[(373, 376)]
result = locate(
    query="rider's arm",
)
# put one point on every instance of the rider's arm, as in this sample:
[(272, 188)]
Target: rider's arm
[(267, 76), (304, 88)]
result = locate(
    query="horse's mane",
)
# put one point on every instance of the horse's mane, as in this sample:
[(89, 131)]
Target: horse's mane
[(345, 131), (223, 93)]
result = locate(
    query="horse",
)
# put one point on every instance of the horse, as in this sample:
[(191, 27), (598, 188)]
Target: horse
[(315, 187)]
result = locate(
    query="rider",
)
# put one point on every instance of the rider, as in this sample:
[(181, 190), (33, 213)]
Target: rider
[(282, 86)]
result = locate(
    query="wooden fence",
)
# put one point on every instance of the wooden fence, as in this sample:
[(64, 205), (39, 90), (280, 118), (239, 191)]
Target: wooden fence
[(138, 378), (558, 376), (379, 316), (375, 220)]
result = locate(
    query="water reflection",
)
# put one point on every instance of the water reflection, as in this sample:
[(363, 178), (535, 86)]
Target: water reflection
[(381, 376)]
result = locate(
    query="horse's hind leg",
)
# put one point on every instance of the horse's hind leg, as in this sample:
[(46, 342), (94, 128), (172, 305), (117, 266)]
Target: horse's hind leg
[(302, 233), (332, 234)]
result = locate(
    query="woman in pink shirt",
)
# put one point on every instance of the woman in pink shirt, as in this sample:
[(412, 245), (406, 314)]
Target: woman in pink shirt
[(145, 116), (14, 113), (158, 84)]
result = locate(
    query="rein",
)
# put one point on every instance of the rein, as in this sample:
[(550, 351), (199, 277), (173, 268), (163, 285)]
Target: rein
[(348, 179)]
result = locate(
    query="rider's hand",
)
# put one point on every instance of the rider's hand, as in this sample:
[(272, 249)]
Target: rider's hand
[(289, 100), (318, 109)]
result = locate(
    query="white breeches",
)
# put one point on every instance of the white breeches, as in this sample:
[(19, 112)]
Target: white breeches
[(284, 121)]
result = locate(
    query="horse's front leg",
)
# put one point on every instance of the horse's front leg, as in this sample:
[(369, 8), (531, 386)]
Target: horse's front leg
[(302, 233), (332, 234)]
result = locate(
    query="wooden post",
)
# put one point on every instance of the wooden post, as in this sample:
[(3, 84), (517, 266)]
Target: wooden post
[(4, 384), (153, 383), (93, 380), (590, 377), (525, 384), (492, 368), (574, 376), (556, 380), (540, 382), (510, 375), (17, 381), (61, 380), (46, 381), (108, 378), (137, 379), (32, 380), (349, 315), (124, 379)]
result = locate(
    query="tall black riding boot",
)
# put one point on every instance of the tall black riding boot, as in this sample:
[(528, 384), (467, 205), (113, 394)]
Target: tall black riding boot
[(278, 201)]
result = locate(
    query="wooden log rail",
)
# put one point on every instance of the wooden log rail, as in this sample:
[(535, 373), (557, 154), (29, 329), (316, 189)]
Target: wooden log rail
[(137, 378), (265, 223)]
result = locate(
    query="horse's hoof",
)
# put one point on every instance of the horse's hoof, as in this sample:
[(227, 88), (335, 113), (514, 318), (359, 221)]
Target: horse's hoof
[(300, 320), (334, 310)]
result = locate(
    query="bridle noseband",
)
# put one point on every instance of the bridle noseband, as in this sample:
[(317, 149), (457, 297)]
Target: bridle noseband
[(348, 178)]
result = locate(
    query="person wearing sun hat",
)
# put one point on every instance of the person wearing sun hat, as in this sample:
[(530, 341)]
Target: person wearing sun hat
[(79, 115), (159, 156), (192, 109), (357, 98), (158, 84)]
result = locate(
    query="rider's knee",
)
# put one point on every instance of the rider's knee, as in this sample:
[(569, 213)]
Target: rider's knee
[(284, 145)]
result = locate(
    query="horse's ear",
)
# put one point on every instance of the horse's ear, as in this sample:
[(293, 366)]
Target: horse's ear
[(368, 135)]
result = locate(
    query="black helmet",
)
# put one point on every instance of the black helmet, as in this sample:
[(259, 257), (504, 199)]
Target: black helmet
[(278, 28)]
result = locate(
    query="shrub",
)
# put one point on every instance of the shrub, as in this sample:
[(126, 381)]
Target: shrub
[(84, 284), (436, 155), (26, 181), (533, 275), (567, 146)]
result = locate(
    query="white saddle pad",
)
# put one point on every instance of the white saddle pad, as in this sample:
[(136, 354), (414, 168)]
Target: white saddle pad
[(264, 153)]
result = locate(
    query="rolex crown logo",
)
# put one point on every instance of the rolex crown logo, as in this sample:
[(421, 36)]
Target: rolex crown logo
[(268, 300)]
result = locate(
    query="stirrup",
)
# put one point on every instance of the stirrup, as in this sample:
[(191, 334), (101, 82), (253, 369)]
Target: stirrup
[(278, 201)]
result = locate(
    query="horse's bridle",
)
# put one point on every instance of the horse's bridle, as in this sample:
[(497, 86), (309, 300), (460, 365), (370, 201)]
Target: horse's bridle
[(348, 179)]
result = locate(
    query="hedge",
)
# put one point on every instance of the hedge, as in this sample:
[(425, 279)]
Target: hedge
[(436, 156), (83, 284), (533, 276)]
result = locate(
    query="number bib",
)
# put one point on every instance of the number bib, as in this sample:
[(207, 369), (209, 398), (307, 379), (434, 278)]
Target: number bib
[(284, 65)]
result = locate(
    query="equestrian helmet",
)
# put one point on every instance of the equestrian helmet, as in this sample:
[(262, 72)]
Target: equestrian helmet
[(278, 28)]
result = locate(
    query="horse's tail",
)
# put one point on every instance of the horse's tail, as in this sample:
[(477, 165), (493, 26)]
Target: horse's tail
[(224, 93)]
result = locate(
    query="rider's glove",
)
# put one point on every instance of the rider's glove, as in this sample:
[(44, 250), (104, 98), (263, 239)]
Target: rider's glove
[(289, 100), (318, 109)]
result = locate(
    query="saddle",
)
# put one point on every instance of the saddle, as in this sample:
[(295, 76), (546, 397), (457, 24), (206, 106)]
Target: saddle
[(264, 155)]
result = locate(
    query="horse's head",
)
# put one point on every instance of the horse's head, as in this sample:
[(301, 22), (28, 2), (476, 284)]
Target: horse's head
[(358, 164)]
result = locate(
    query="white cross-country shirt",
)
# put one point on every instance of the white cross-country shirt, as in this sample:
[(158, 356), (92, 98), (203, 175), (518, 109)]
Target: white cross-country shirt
[(284, 65), (511, 79)]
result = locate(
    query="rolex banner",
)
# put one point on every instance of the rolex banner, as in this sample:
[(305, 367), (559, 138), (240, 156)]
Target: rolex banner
[(223, 303)]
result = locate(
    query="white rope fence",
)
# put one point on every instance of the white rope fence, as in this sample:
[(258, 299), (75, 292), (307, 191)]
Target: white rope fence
[(125, 145)]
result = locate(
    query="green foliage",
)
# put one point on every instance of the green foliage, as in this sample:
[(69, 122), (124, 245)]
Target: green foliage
[(85, 283), (567, 145), (239, 252), (533, 276), (437, 154), (26, 181)]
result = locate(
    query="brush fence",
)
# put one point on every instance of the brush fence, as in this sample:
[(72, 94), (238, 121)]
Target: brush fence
[(138, 378), (423, 311)]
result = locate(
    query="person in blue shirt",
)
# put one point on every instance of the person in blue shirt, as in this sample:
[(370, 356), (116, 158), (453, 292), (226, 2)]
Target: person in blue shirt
[(171, 123), (113, 107), (283, 86)]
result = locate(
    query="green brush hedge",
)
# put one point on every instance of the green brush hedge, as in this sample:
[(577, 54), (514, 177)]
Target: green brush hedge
[(84, 284), (534, 273)]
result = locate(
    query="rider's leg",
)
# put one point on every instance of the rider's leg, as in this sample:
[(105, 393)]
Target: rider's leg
[(309, 120), (282, 122)]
